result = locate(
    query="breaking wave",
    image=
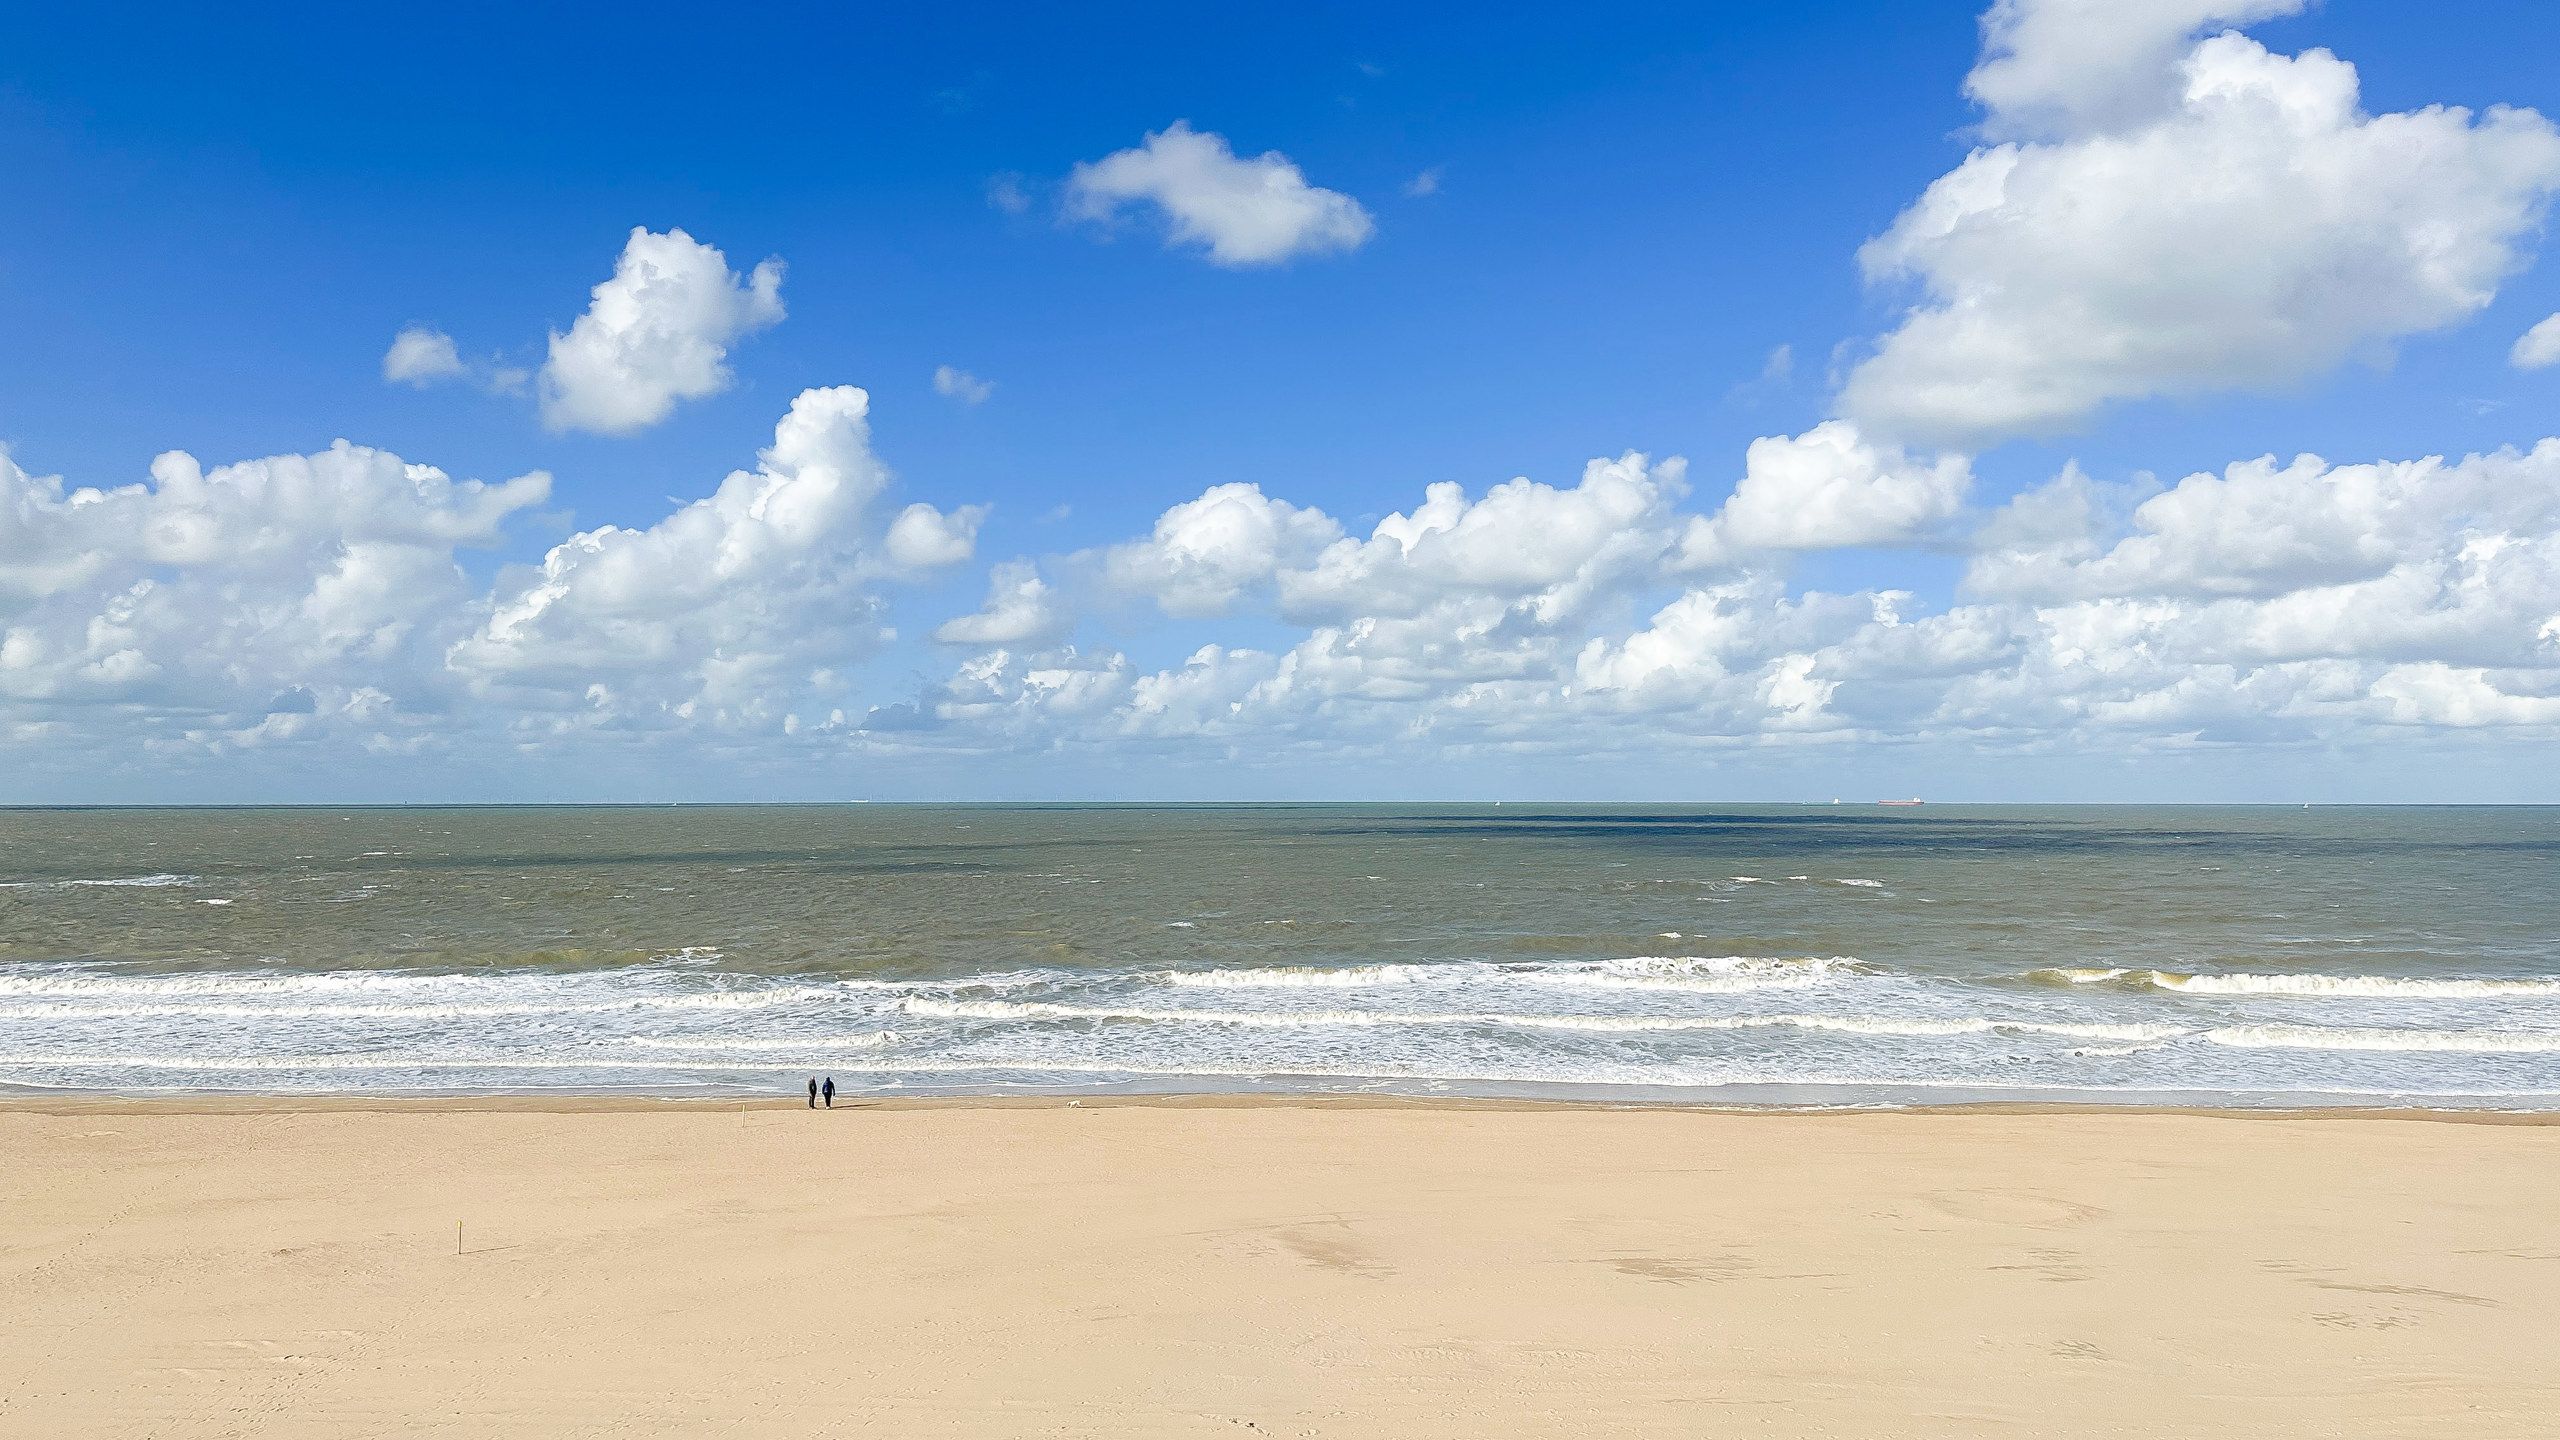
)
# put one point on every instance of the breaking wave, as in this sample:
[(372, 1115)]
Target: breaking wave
[(1706, 974), (2379, 987), (1269, 977), (139, 882), (1525, 1011), (2315, 1037), (1601, 1024), (1703, 974), (724, 1044)]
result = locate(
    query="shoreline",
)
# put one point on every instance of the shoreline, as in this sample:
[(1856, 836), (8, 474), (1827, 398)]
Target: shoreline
[(613, 1102)]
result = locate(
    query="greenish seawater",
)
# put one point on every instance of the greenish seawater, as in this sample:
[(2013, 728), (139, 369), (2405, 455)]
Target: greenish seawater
[(1743, 953)]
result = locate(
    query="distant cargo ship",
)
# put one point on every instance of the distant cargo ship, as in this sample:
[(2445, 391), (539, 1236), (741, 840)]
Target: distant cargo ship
[(1915, 800)]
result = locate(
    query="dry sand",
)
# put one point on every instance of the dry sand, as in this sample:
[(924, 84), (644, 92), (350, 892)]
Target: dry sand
[(1302, 1269)]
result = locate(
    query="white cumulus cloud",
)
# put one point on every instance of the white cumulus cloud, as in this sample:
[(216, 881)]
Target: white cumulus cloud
[(184, 611), (2259, 229), (657, 332), (1549, 548), (730, 607), (1257, 211), (1207, 553), (926, 538), (2265, 604), (1021, 609), (2077, 67), (1831, 487), (2539, 347), (421, 357)]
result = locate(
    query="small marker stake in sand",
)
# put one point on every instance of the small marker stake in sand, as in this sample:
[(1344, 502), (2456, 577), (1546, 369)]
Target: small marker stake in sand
[(457, 1237)]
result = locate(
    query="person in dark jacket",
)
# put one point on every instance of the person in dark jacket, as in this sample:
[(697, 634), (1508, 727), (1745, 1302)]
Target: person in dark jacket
[(829, 1091), (813, 1092)]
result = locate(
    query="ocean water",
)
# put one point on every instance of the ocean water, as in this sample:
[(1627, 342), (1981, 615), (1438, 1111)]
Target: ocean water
[(1725, 955)]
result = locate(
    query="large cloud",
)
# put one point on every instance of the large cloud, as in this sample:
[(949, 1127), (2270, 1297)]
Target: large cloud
[(314, 596), (308, 597), (1523, 543), (1470, 619), (2266, 603), (2423, 561), (733, 607), (234, 604), (658, 331), (1243, 212), (2258, 230)]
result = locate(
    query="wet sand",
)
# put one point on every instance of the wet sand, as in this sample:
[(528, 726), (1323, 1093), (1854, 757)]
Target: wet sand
[(1241, 1268)]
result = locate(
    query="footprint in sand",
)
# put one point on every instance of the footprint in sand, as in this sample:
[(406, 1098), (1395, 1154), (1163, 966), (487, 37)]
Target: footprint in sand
[(2387, 1320)]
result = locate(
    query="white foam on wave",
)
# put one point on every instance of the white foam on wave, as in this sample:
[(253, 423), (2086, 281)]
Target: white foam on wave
[(57, 993), (288, 1063), (717, 1044), (1702, 974), (1026, 1066), (2380, 987), (281, 987), (421, 1010), (1469, 1015), (1708, 974), (1267, 977), (225, 982), (1603, 1024), (1865, 884), (2318, 1037), (1035, 1072), (218, 1010), (141, 882)]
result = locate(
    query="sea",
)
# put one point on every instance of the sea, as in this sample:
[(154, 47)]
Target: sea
[(1813, 955)]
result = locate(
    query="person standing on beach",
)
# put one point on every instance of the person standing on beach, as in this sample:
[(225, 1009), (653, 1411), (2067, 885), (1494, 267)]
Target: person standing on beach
[(813, 1092), (829, 1090)]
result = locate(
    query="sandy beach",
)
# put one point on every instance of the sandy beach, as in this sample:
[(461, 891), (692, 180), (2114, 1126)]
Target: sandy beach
[(1238, 1269)]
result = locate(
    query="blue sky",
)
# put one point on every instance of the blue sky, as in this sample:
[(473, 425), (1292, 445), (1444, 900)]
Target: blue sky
[(217, 226)]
